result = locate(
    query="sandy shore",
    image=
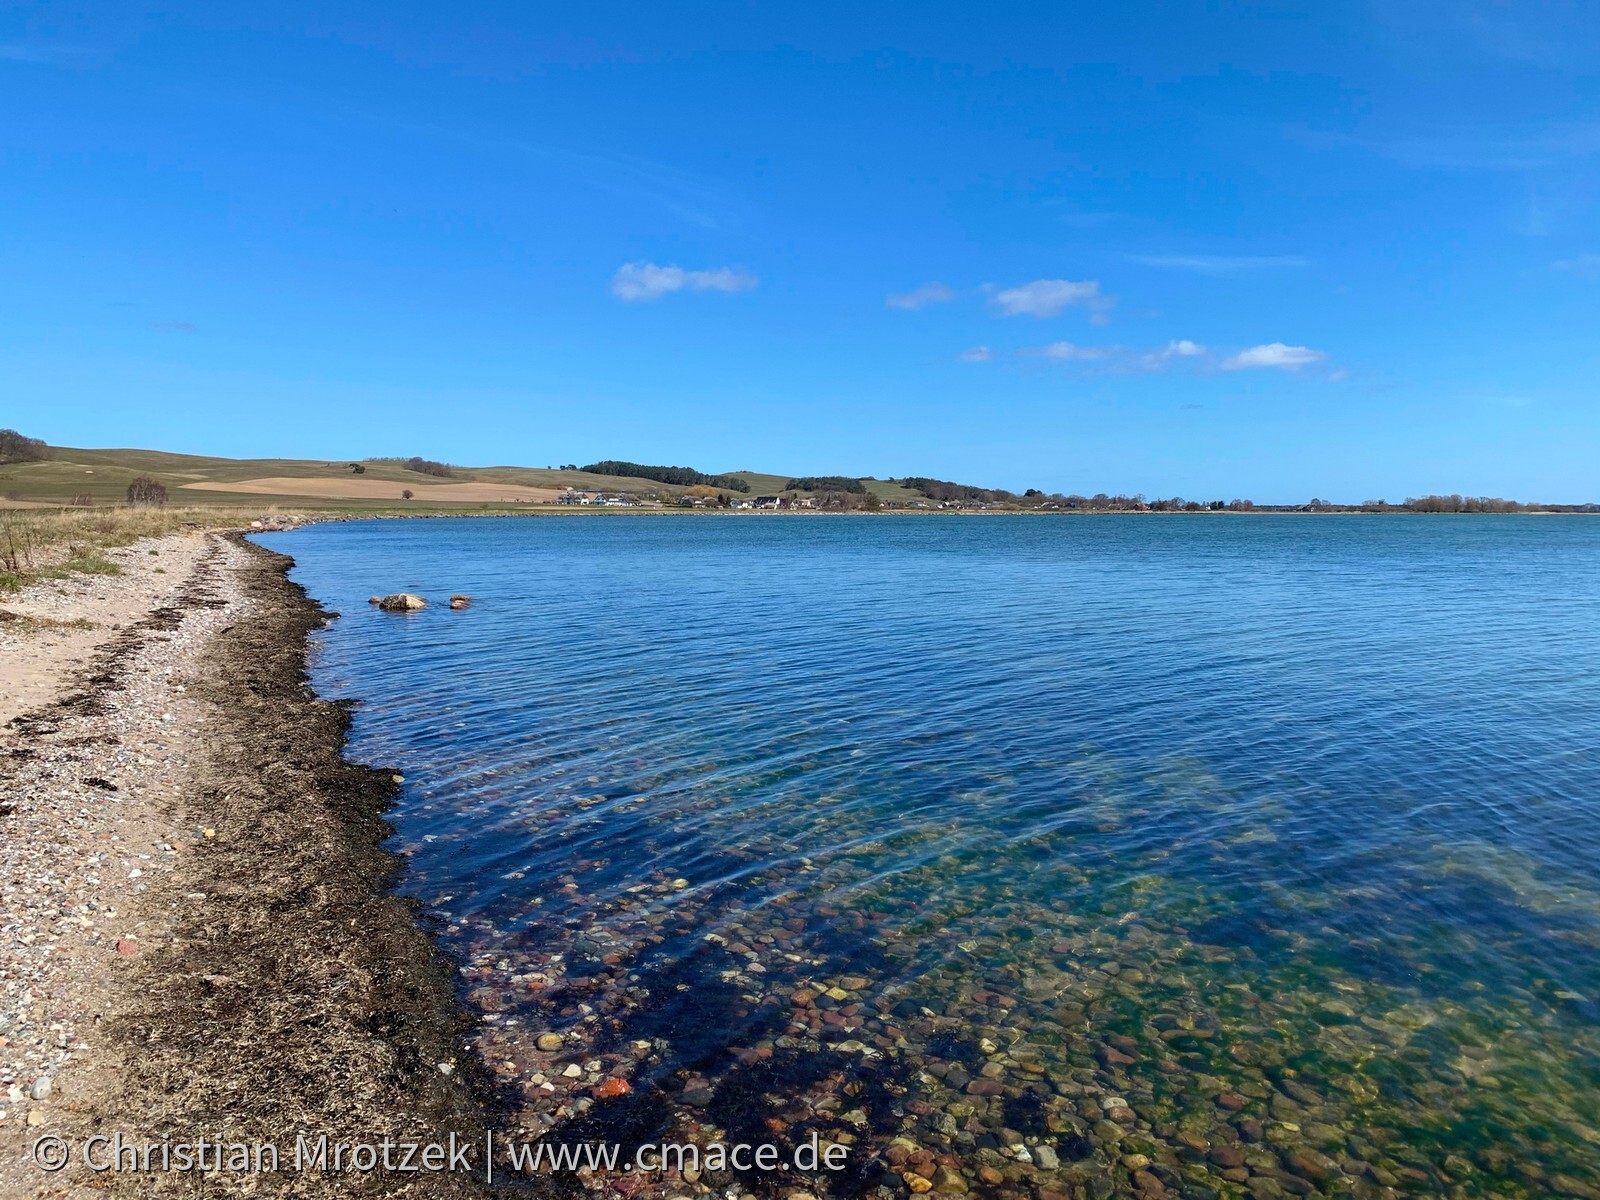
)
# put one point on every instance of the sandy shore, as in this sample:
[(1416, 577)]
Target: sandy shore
[(199, 936)]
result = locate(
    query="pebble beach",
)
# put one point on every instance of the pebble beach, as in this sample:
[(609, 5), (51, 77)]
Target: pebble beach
[(160, 979), (97, 748)]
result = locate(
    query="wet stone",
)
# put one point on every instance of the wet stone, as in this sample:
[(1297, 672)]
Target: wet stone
[(1224, 1155)]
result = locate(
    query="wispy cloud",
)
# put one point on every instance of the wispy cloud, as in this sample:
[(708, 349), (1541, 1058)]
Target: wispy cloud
[(697, 201), (1048, 297), (1089, 220), (975, 355), (1586, 265), (1173, 351), (1069, 352), (1486, 33), (1273, 354), (1527, 147), (1500, 150), (174, 326), (928, 293), (1123, 359), (1178, 355), (647, 281), (1220, 264), (22, 52)]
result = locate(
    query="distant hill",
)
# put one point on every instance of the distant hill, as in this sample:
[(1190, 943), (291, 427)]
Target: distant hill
[(68, 473), (103, 476)]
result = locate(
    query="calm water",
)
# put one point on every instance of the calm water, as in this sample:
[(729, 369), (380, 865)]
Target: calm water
[(1218, 856)]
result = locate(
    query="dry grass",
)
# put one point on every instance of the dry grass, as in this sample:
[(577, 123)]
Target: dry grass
[(366, 488), (28, 623), (43, 543)]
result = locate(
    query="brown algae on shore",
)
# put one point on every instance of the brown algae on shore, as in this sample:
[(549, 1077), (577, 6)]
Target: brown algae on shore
[(293, 993)]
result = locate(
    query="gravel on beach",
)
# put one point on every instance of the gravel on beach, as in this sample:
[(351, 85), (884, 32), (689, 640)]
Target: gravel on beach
[(199, 933), (90, 781)]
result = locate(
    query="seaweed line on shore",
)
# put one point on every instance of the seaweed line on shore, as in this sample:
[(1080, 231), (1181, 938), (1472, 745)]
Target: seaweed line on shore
[(298, 993)]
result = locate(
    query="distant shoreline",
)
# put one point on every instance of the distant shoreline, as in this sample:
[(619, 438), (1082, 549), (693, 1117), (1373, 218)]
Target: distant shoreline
[(38, 474), (316, 517)]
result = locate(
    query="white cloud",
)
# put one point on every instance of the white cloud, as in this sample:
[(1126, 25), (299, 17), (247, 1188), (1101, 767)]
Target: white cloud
[(1068, 352), (1157, 360), (1047, 297), (1273, 354), (928, 293), (647, 281), (1118, 358), (1218, 264), (1179, 354)]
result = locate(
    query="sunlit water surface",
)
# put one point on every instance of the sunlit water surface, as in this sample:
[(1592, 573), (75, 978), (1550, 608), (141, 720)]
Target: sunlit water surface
[(1082, 855)]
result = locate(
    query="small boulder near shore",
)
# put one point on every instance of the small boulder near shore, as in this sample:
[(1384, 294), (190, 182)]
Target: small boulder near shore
[(401, 602), (460, 602)]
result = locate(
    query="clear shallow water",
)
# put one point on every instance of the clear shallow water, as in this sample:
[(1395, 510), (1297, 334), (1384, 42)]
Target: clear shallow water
[(1198, 853)]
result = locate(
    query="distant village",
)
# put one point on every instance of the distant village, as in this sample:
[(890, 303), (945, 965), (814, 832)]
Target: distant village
[(841, 493), (628, 500), (1038, 502), (773, 502)]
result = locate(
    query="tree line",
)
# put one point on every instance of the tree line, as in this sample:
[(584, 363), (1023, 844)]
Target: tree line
[(943, 489), (681, 476), (826, 483), (1463, 504), (422, 466), (15, 448)]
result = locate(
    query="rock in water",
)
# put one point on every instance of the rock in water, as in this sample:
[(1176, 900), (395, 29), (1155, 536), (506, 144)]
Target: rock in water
[(460, 602), (402, 602)]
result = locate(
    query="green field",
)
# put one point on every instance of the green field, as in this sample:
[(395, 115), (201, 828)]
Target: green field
[(103, 475)]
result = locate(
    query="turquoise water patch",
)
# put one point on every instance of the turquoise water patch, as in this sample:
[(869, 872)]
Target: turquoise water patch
[(1200, 856)]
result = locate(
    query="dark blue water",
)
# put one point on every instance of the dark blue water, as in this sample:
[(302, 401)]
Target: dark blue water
[(971, 830)]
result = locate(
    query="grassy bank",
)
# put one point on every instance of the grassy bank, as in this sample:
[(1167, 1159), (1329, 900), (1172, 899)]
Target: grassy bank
[(45, 543)]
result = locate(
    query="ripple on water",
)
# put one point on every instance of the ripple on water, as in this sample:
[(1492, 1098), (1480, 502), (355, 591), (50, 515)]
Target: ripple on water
[(1041, 857)]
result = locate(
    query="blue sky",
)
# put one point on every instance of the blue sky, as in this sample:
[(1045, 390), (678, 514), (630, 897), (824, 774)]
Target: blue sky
[(1275, 251)]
